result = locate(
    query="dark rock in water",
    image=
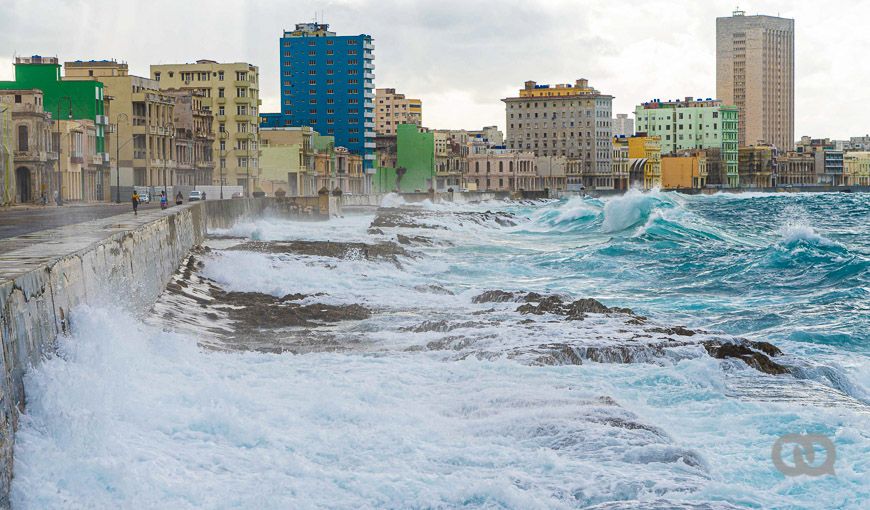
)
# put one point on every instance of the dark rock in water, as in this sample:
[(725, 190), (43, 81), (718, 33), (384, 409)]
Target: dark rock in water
[(677, 330), (440, 326), (574, 310), (340, 250), (494, 296), (434, 289), (392, 217), (255, 310), (754, 354), (375, 231), (413, 240)]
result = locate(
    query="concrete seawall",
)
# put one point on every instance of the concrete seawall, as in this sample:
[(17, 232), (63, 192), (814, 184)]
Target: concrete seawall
[(122, 259)]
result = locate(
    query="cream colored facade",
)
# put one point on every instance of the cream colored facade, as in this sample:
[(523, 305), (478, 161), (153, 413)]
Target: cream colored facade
[(194, 138), (501, 170), (232, 92), (32, 171), (80, 164), (857, 168), (142, 116), (621, 163), (392, 109), (286, 162), (755, 72)]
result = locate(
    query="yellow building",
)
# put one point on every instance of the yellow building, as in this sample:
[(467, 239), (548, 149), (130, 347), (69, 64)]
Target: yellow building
[(684, 172), (80, 164), (580, 87), (645, 154), (232, 92), (143, 123), (620, 163), (286, 162), (857, 168)]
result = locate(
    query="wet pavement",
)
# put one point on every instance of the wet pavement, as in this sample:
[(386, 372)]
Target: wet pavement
[(34, 249), (25, 220)]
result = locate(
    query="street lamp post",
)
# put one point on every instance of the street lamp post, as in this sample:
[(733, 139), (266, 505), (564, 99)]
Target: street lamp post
[(58, 150), (223, 136), (118, 155)]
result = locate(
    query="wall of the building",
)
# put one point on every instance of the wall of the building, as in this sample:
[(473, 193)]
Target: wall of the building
[(416, 153)]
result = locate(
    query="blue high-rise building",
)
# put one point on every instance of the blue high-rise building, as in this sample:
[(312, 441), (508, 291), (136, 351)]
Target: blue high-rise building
[(327, 82)]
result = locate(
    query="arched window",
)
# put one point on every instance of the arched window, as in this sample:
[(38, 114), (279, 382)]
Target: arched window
[(477, 167), (510, 166), (487, 166), (500, 166), (23, 139)]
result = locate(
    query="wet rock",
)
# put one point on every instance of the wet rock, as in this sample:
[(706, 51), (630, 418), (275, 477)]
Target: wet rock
[(434, 289), (340, 250), (677, 330), (754, 354), (375, 231), (494, 296), (255, 310), (413, 240), (441, 326)]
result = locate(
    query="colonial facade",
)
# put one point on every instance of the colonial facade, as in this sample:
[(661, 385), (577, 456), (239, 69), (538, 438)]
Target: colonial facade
[(502, 171), (571, 120), (194, 138), (232, 92), (33, 160)]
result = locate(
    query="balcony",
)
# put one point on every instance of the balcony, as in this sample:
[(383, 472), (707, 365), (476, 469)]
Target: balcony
[(369, 76), (101, 120), (242, 83), (220, 118), (368, 95), (368, 46), (369, 145), (246, 118), (369, 125), (220, 100)]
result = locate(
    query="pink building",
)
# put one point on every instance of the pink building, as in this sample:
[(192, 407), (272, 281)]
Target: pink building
[(495, 170)]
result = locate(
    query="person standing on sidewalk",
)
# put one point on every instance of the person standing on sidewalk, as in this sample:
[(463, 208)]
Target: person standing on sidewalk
[(135, 200)]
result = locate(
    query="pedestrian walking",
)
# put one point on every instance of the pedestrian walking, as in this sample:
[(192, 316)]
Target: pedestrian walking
[(135, 200), (179, 199), (163, 200)]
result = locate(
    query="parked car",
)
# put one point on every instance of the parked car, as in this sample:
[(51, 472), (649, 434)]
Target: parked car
[(144, 197), (195, 196)]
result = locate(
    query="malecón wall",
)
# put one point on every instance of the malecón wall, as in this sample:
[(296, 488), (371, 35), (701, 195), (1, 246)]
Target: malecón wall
[(45, 275)]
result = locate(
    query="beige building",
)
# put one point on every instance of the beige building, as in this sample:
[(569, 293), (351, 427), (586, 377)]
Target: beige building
[(755, 72), (551, 172), (857, 168), (501, 170), (286, 161), (620, 163), (32, 170), (392, 109), (571, 120), (795, 169), (194, 138), (142, 117), (231, 92), (80, 164), (684, 170)]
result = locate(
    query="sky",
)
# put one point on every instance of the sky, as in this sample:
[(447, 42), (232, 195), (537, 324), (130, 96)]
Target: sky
[(461, 57)]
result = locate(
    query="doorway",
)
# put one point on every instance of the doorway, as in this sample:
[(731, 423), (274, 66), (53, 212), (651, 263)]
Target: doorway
[(22, 179)]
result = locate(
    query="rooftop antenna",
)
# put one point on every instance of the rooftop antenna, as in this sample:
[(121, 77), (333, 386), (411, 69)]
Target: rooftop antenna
[(738, 12)]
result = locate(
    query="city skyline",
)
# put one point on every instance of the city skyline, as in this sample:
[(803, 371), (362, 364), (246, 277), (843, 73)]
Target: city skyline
[(461, 66)]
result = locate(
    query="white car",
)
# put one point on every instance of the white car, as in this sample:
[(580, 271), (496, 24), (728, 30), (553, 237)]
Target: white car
[(195, 196)]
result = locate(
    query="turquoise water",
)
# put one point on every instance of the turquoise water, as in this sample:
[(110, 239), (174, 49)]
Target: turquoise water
[(134, 413)]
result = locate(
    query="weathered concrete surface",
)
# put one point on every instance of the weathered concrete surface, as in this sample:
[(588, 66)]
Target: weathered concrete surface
[(43, 275), (466, 197), (17, 221), (224, 213)]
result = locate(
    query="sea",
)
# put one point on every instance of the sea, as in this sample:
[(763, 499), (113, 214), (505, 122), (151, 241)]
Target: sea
[(440, 400)]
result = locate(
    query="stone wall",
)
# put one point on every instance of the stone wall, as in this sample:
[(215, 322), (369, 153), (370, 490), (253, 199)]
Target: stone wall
[(121, 259)]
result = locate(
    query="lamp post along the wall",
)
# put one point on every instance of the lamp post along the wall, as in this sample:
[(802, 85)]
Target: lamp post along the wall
[(222, 147), (58, 150), (118, 155)]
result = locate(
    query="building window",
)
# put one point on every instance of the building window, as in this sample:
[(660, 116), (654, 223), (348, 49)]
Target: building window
[(23, 138)]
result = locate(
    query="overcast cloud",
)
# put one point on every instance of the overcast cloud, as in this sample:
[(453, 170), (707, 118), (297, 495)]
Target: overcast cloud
[(461, 57)]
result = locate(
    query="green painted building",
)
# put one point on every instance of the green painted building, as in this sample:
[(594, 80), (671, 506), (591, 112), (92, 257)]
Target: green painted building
[(415, 160), (83, 100), (693, 124)]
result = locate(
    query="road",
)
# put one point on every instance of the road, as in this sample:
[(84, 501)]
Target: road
[(16, 222)]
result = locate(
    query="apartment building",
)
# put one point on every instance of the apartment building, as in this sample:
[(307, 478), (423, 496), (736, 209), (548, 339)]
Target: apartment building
[(392, 109), (327, 82), (571, 120), (144, 130), (231, 91), (755, 61), (194, 137), (33, 159)]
